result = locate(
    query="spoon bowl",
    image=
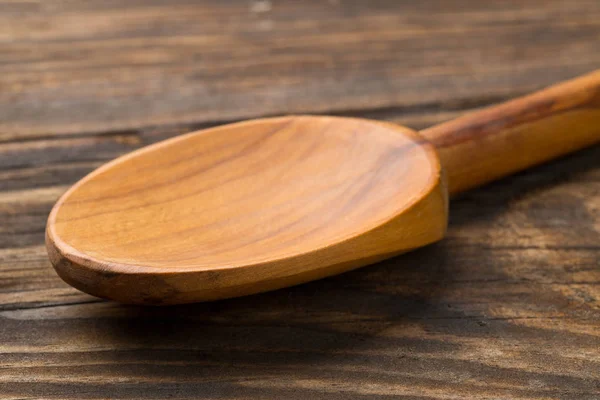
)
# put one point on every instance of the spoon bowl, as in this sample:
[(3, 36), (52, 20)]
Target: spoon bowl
[(248, 207)]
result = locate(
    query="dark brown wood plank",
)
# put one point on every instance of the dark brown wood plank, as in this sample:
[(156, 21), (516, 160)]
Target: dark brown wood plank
[(506, 307), (81, 66)]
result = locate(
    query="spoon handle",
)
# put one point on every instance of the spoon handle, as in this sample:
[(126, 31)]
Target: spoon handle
[(503, 139)]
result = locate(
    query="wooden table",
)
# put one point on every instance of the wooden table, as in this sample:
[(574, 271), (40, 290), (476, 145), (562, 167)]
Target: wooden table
[(507, 307)]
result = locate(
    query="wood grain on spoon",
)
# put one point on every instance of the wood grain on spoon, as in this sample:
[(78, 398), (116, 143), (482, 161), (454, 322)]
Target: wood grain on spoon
[(264, 204), (248, 207), (498, 141)]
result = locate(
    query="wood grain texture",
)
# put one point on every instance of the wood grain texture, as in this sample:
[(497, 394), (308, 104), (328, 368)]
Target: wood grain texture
[(268, 203), (506, 307), (248, 207), (500, 140), (81, 67)]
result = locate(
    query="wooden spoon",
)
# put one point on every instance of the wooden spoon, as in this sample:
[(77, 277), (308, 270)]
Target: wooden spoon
[(260, 205)]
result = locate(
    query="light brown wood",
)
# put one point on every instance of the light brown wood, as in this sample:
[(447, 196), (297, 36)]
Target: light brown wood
[(483, 146), (260, 205), (246, 208)]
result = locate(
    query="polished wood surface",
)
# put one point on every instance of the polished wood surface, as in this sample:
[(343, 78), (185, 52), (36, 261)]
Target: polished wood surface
[(480, 147), (506, 306), (246, 208), (265, 204)]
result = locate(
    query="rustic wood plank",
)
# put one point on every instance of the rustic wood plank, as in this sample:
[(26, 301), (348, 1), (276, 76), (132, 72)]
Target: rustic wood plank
[(80, 66), (506, 307)]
